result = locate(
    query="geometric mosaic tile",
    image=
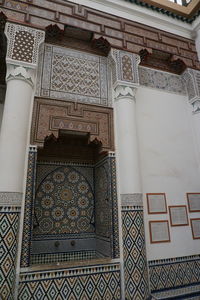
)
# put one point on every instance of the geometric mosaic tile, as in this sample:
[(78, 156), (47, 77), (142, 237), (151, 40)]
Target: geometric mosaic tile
[(191, 292), (28, 209), (9, 221), (92, 282), (174, 272), (111, 196), (47, 258), (64, 204), (135, 264)]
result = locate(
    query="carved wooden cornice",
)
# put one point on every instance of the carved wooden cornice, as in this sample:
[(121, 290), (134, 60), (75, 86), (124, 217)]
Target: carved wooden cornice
[(71, 145), (119, 32), (162, 60)]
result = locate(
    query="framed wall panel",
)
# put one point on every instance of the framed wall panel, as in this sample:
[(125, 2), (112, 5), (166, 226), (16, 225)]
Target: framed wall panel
[(193, 202), (156, 203), (178, 215), (159, 231), (195, 226)]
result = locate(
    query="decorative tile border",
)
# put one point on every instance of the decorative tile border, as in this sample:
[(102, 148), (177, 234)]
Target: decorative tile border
[(131, 199), (28, 211), (166, 261), (135, 264), (92, 282), (174, 272), (182, 293), (162, 80), (110, 167), (47, 258), (10, 199), (113, 195), (9, 223)]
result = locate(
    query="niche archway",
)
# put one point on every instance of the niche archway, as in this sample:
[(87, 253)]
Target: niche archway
[(73, 204)]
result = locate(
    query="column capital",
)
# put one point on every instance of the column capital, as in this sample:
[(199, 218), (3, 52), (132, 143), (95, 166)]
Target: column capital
[(18, 72), (192, 81), (23, 44), (124, 66), (124, 91)]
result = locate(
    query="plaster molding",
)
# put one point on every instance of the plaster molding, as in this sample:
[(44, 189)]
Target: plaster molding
[(17, 72), (162, 80), (131, 199), (10, 199), (124, 67), (9, 209), (122, 91), (196, 107), (23, 43), (192, 82)]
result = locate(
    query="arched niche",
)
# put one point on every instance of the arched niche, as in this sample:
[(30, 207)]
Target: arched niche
[(74, 205)]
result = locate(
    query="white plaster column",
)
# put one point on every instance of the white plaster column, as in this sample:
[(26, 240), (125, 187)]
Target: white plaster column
[(22, 55), (125, 107), (192, 82), (13, 135), (125, 79)]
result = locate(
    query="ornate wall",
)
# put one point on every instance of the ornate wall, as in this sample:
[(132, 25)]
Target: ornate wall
[(64, 193), (121, 33), (91, 282), (107, 224), (64, 211), (135, 263), (9, 223), (175, 276), (51, 115), (72, 75)]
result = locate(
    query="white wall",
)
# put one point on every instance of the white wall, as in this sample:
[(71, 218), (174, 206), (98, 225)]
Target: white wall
[(168, 163)]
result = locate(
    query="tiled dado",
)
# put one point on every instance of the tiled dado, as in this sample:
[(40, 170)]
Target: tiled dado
[(83, 283), (9, 223), (28, 209), (135, 264), (119, 32), (51, 115), (48, 258), (174, 272)]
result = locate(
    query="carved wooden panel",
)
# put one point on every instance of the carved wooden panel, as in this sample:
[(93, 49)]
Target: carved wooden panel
[(51, 115)]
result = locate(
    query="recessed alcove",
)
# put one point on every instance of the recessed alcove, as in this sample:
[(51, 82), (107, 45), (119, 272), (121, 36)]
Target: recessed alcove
[(72, 217)]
